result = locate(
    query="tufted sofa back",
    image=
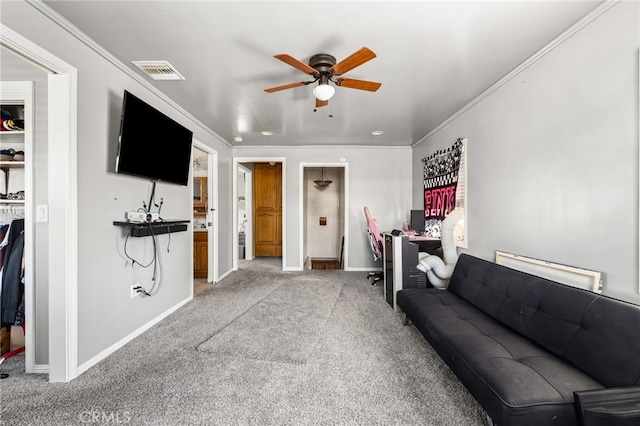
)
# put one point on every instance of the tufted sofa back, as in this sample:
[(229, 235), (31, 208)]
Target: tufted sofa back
[(597, 334)]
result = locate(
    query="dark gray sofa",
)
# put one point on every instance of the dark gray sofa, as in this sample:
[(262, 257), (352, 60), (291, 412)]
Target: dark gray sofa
[(522, 345)]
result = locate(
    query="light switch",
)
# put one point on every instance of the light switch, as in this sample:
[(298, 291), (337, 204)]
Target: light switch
[(42, 213)]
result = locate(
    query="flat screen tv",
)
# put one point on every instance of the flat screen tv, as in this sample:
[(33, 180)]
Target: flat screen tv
[(152, 145)]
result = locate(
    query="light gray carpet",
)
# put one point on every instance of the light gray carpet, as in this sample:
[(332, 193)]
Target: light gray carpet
[(262, 347), (284, 326)]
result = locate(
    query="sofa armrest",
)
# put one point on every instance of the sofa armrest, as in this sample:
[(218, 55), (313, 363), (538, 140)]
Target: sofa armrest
[(609, 406)]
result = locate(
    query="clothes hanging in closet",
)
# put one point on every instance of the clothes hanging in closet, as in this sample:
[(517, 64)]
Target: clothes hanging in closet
[(3, 232), (12, 272)]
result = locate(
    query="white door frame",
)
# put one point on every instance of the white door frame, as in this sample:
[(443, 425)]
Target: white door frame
[(63, 206), (212, 212), (345, 258), (234, 195)]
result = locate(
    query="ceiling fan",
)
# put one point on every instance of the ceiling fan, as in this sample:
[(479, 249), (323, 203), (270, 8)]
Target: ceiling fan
[(324, 67)]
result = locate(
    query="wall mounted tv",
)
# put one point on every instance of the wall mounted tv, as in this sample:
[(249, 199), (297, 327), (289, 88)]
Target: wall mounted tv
[(152, 145)]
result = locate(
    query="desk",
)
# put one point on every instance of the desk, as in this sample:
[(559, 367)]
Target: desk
[(400, 258)]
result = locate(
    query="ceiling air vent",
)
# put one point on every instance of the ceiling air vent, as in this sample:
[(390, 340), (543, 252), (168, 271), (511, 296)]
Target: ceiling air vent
[(158, 70)]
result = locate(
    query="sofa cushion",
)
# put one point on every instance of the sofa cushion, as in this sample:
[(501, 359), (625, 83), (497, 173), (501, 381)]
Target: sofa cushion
[(490, 349), (519, 372), (588, 330), (607, 345), (512, 377)]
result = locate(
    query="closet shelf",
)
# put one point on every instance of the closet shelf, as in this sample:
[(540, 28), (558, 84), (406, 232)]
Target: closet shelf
[(11, 201)]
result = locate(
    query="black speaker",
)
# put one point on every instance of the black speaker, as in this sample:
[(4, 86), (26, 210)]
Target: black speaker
[(417, 220)]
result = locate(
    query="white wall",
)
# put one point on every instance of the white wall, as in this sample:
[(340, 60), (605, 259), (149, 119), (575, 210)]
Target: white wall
[(553, 156), (106, 313), (378, 177)]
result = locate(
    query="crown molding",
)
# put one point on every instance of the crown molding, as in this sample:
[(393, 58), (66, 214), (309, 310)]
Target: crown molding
[(328, 147)]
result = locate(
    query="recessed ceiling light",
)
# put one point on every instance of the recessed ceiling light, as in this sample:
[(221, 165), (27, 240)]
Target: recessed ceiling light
[(377, 132), (237, 139), (267, 132)]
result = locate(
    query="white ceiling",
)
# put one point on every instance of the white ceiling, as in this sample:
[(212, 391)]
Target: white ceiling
[(433, 57)]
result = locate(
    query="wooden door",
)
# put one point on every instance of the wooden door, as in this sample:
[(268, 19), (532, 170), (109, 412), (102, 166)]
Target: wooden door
[(200, 255), (267, 202)]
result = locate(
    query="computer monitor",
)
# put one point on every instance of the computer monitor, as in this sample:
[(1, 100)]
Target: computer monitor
[(417, 220)]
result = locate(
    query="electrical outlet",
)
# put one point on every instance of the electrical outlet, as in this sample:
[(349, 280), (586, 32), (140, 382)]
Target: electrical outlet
[(134, 292)]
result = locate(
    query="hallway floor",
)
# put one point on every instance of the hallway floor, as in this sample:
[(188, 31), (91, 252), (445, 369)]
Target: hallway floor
[(199, 285)]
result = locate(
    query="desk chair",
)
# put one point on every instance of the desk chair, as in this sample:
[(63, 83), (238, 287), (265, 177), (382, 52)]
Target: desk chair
[(377, 244)]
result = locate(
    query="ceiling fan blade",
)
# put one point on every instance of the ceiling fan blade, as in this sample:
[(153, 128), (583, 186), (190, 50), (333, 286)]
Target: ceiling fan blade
[(290, 60), (320, 103), (352, 83), (355, 60), (287, 86)]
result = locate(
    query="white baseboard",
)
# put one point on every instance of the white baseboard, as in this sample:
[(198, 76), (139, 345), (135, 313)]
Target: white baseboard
[(363, 269), (292, 268), (111, 349), (41, 369), (224, 275)]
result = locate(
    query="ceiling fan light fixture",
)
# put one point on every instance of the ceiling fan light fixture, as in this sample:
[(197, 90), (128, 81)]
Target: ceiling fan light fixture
[(324, 67), (324, 92)]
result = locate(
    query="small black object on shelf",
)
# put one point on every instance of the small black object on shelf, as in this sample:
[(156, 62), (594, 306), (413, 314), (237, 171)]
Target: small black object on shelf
[(144, 229)]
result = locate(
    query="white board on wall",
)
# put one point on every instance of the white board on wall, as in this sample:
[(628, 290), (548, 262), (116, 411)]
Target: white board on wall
[(569, 275)]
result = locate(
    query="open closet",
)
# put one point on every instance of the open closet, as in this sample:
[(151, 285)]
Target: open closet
[(16, 261)]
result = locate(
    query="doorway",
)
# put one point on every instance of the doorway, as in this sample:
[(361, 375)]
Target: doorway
[(205, 218), (24, 86), (60, 342), (244, 166), (200, 229), (244, 203), (267, 209), (324, 206)]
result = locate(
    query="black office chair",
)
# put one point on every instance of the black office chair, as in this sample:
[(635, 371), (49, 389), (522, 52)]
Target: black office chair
[(377, 245)]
